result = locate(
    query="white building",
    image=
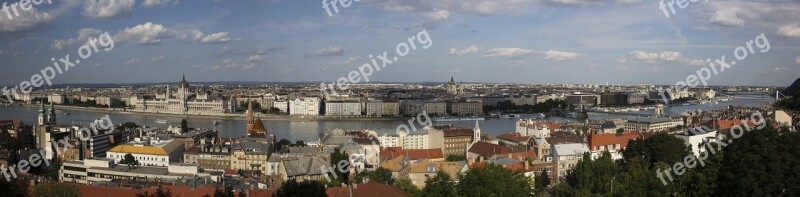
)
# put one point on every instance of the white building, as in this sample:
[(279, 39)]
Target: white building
[(530, 127), (149, 152), (647, 125), (568, 155), (425, 138), (343, 108), (283, 106), (184, 102), (694, 137), (305, 106)]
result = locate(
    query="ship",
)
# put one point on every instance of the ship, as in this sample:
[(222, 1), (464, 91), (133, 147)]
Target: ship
[(456, 119), (161, 121), (509, 116)]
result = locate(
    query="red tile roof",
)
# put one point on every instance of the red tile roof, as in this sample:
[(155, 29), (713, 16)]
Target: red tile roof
[(596, 140), (98, 191), (515, 137), (488, 149), (413, 154)]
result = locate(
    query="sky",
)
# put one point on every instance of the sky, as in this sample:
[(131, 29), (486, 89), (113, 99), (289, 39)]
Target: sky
[(495, 41)]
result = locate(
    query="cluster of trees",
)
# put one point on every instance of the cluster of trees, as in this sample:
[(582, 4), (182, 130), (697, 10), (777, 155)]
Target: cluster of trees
[(452, 158), (759, 163), (286, 143), (509, 107), (127, 125), (491, 180), (792, 103)]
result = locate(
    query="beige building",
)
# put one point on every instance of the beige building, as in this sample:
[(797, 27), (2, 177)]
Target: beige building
[(456, 140), (150, 152), (414, 107), (421, 171), (465, 108)]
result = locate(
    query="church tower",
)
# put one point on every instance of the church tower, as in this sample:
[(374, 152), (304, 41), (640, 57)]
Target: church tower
[(476, 133), (51, 115), (42, 115), (250, 118)]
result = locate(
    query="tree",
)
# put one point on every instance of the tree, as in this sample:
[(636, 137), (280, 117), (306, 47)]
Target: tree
[(130, 160), (282, 143), (299, 143), (127, 125), (406, 186), (55, 166), (456, 158), (494, 180), (762, 162), (159, 193), (661, 147), (227, 191), (9, 188), (56, 189), (380, 175), (305, 188), (542, 181), (339, 160), (593, 177), (184, 126), (440, 185)]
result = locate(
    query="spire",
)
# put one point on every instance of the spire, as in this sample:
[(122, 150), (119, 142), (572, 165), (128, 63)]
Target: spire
[(41, 108)]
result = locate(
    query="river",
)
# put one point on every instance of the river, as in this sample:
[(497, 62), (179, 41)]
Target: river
[(308, 130)]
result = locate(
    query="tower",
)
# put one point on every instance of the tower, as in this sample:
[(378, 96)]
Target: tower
[(51, 115), (659, 110), (42, 115), (476, 133), (250, 118)]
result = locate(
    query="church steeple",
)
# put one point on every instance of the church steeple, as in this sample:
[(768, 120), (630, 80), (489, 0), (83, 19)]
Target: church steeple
[(42, 115), (476, 132), (51, 116)]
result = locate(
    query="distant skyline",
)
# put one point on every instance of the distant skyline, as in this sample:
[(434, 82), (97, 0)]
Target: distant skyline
[(493, 41)]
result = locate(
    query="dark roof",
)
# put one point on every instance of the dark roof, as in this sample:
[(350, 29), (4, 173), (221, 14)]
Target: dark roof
[(488, 149)]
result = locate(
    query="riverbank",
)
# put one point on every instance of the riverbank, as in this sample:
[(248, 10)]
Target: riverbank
[(237, 116)]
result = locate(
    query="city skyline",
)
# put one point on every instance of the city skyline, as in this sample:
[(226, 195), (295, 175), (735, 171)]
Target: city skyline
[(622, 42)]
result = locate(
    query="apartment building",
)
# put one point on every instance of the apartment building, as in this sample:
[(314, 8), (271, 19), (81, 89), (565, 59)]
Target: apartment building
[(304, 106)]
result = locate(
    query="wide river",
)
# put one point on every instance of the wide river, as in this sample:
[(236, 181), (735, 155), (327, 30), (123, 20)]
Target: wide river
[(308, 130)]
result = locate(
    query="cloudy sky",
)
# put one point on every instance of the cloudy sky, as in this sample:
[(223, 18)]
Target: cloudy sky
[(526, 41)]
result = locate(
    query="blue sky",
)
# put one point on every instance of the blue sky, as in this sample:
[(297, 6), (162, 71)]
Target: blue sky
[(524, 41)]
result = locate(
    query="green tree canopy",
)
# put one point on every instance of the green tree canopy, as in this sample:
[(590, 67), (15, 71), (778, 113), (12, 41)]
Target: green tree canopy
[(293, 188), (56, 189), (440, 185), (494, 180)]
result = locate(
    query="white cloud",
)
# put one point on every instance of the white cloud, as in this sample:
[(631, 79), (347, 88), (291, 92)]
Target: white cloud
[(791, 31), (465, 51), (328, 51), (215, 38), (256, 58), (438, 15), (133, 61), (148, 33), (154, 3), (480, 7), (727, 16), (668, 56), (155, 59), (350, 60), (508, 52), (796, 60), (83, 36), (559, 55), (697, 62), (27, 20), (108, 8)]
